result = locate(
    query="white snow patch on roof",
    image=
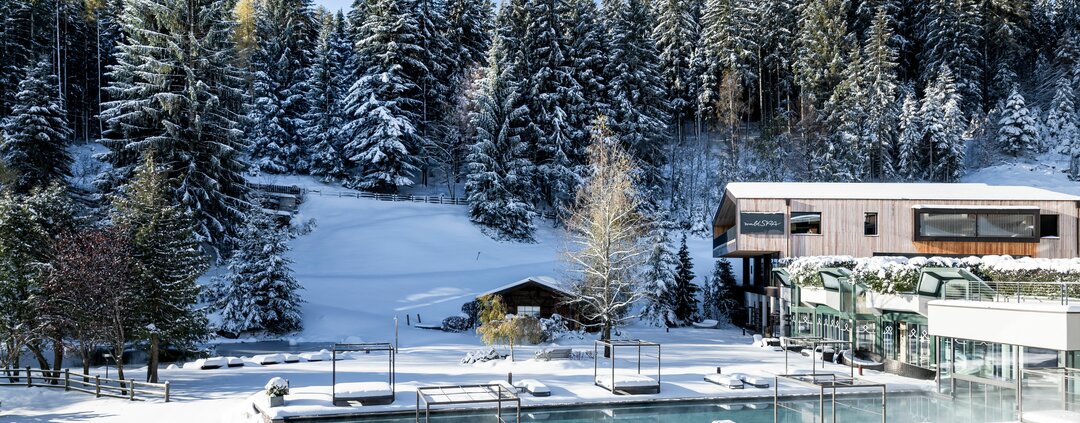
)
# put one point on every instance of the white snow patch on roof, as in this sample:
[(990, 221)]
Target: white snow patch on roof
[(546, 281), (893, 191)]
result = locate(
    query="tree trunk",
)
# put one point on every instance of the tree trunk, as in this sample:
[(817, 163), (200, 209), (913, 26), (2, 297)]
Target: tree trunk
[(152, 366), (58, 357)]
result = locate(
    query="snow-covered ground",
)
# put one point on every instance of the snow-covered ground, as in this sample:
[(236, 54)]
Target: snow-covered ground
[(431, 358), (1046, 171)]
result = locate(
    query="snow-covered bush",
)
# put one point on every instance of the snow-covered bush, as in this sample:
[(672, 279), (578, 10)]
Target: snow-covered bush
[(482, 355), (456, 324), (553, 328), (471, 310), (1028, 269), (804, 270), (277, 387)]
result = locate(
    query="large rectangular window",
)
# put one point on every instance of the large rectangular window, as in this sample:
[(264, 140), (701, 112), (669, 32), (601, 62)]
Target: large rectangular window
[(977, 225), (528, 311), (806, 223)]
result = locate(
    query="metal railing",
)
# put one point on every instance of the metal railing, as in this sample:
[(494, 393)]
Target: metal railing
[(1063, 292), (96, 385)]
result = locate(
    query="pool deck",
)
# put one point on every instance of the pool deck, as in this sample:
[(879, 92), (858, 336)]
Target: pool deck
[(688, 355)]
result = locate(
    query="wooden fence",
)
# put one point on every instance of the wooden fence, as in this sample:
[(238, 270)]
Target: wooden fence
[(96, 385)]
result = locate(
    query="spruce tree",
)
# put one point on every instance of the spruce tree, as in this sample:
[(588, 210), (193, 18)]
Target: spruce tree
[(284, 32), (949, 31), (168, 263), (587, 58), (195, 133), (639, 113), (685, 292), (1016, 130), (325, 98), (820, 52), (469, 33), (658, 278), (882, 112), (720, 302), (259, 293), (910, 151), (498, 167), (384, 106), (37, 133), (844, 155), (676, 34), (942, 124)]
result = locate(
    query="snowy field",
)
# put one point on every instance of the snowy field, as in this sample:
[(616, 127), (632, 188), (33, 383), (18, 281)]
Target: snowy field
[(430, 358)]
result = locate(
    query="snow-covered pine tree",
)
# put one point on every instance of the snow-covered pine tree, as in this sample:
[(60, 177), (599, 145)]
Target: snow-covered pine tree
[(498, 168), (37, 134), (909, 145), (684, 291), (882, 113), (721, 301), (949, 31), (585, 51), (196, 133), (658, 276), (942, 124), (677, 33), (639, 113), (24, 255), (843, 155), (552, 95), (168, 263), (258, 293), (436, 55), (722, 51), (284, 32), (385, 105), (821, 44), (469, 29), (1062, 121), (1017, 133), (325, 99)]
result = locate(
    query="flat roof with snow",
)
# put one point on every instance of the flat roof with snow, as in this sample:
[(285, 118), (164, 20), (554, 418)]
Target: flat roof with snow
[(892, 191)]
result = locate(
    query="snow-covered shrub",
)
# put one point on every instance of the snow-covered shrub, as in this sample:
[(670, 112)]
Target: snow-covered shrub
[(553, 328), (1028, 269), (456, 324), (277, 387), (804, 270), (482, 355), (889, 275), (471, 310)]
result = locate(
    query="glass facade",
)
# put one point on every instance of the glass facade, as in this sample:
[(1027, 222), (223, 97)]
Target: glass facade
[(990, 225)]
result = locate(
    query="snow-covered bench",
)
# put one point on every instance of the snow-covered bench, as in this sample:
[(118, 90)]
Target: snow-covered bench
[(707, 324), (235, 361), (629, 384), (554, 354), (365, 393), (268, 359), (727, 381), (292, 358), (533, 387)]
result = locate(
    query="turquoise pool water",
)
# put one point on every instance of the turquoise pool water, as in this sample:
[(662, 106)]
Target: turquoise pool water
[(901, 408)]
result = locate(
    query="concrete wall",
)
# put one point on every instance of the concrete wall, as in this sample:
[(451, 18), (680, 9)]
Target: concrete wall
[(1042, 325)]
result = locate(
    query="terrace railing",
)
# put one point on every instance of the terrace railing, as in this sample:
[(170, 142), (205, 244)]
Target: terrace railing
[(1062, 292), (95, 385)]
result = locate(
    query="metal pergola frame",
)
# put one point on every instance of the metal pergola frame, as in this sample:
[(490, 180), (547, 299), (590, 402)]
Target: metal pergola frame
[(468, 394), (823, 382), (366, 348), (612, 344), (813, 343)]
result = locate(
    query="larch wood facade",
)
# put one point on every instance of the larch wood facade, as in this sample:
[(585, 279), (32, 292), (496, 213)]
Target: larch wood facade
[(842, 220)]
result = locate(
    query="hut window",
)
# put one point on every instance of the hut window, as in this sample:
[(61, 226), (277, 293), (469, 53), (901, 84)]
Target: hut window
[(870, 224), (1048, 226), (806, 223), (528, 310)]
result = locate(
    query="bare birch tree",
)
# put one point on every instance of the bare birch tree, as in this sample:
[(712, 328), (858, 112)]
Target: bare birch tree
[(606, 230)]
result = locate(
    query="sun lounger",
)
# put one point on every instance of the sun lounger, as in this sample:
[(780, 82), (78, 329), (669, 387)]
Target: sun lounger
[(534, 387), (727, 381), (211, 363), (706, 324), (267, 359), (365, 393), (292, 358), (505, 385), (235, 361), (323, 355), (629, 384), (756, 381)]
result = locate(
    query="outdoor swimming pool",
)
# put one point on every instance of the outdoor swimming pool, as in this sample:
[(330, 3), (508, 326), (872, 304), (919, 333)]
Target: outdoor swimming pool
[(901, 408)]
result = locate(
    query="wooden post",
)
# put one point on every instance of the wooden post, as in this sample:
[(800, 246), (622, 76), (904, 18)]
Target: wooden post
[(131, 390), (97, 385), (67, 379), (29, 378), (166, 391)]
